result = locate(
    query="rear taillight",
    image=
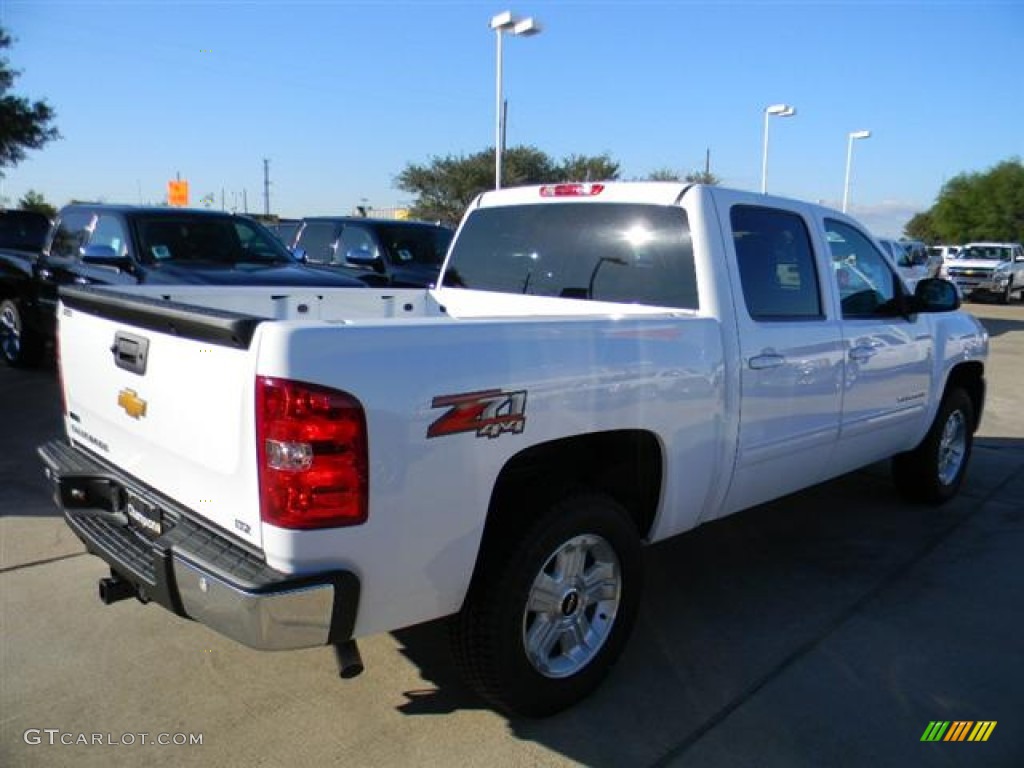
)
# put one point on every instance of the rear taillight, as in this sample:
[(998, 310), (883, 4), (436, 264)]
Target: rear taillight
[(311, 447), (571, 190)]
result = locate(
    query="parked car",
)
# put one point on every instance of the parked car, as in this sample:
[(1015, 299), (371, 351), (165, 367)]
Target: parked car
[(380, 252), (127, 245), (920, 255), (909, 271), (944, 252), (994, 269)]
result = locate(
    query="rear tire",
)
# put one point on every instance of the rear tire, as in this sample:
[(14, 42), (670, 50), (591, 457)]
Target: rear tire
[(934, 471), (542, 626), (19, 346)]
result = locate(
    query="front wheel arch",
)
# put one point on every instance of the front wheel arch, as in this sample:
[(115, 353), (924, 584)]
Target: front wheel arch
[(934, 471)]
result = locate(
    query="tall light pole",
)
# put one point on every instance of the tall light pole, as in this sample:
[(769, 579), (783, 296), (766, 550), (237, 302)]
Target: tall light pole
[(502, 23), (849, 158), (778, 110)]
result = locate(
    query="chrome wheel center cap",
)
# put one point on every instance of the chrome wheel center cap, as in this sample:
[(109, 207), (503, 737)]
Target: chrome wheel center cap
[(571, 602)]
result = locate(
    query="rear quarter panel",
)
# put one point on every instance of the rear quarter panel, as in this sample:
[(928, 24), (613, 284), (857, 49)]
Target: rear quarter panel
[(429, 496)]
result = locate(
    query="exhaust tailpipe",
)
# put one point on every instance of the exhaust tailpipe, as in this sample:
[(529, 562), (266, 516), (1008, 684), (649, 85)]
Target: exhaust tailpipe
[(114, 588), (350, 661)]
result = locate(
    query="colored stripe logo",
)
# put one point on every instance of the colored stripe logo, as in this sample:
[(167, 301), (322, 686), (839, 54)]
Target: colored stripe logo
[(959, 730)]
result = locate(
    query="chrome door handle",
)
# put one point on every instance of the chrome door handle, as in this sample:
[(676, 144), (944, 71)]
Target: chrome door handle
[(862, 354), (761, 362)]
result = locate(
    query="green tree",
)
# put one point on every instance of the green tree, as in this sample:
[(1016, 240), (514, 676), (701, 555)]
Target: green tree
[(664, 174), (977, 206), (583, 168), (920, 227), (703, 177), (24, 124), (34, 201), (693, 177), (445, 186)]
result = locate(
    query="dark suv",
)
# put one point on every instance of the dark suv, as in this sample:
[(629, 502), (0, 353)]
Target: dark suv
[(380, 252), (127, 245)]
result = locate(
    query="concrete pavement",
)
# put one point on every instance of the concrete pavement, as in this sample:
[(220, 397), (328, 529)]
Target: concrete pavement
[(827, 628)]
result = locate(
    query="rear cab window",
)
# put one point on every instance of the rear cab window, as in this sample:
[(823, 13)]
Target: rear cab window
[(626, 253)]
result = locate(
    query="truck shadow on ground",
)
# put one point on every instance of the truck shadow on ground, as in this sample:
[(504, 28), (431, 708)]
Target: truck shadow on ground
[(30, 414), (997, 326), (731, 607)]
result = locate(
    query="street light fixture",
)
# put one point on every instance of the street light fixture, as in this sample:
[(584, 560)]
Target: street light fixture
[(502, 23), (849, 157), (776, 110)]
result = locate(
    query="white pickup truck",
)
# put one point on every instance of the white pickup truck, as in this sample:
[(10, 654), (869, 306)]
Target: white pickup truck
[(604, 365), (996, 269)]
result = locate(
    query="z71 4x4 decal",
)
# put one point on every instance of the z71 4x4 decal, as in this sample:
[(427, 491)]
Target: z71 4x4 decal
[(489, 413)]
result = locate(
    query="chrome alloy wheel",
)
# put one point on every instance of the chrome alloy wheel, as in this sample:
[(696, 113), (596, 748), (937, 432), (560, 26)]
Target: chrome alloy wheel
[(952, 447), (571, 607), (10, 331)]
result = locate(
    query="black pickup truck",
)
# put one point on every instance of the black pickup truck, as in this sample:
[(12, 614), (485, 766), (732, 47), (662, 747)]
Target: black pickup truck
[(380, 252), (121, 245)]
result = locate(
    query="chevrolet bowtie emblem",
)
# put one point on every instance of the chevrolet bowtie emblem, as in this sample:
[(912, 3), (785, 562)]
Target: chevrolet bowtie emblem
[(133, 405)]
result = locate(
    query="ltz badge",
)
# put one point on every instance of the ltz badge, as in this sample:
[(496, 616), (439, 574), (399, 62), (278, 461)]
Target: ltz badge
[(489, 413)]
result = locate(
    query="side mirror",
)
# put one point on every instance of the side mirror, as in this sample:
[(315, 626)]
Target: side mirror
[(933, 294), (360, 257), (104, 256), (300, 254)]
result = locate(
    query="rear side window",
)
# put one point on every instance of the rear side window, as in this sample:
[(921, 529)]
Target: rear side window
[(627, 253), (776, 263)]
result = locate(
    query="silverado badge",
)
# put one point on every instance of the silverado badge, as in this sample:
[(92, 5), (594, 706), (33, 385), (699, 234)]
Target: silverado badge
[(131, 403)]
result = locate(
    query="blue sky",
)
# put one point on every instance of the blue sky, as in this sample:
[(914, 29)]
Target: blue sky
[(340, 96)]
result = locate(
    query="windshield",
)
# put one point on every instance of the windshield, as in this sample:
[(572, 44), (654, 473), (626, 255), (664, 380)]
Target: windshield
[(986, 252), (209, 239), (606, 252)]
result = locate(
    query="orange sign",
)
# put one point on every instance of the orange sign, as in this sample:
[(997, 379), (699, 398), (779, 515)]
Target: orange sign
[(177, 193)]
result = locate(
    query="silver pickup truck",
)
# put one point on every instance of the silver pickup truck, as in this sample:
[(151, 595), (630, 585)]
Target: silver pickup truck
[(995, 269)]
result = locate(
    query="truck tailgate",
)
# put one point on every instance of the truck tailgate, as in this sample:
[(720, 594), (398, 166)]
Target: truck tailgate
[(170, 404)]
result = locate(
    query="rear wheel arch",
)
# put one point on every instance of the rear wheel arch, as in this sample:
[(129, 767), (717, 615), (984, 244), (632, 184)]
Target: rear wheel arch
[(625, 465)]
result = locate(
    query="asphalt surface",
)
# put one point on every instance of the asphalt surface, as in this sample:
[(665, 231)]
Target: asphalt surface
[(829, 628)]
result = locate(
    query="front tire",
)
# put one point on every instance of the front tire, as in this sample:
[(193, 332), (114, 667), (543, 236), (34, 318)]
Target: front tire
[(19, 346), (541, 627), (934, 471), (1007, 294)]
